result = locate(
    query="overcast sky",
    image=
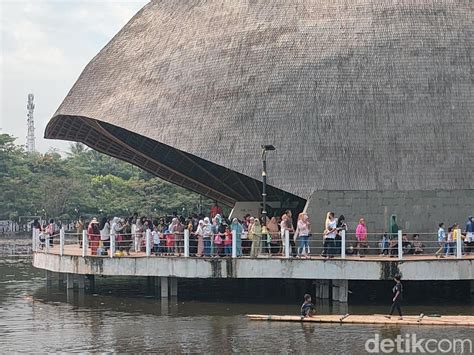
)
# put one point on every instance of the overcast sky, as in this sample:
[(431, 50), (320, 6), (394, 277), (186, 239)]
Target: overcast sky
[(44, 47)]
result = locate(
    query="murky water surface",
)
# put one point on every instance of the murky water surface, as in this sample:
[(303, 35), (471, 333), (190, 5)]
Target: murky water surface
[(122, 318)]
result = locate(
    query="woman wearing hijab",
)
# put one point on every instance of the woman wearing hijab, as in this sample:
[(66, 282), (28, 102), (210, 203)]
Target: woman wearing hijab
[(207, 236), (200, 234), (104, 228), (237, 227), (256, 234), (275, 242), (93, 233)]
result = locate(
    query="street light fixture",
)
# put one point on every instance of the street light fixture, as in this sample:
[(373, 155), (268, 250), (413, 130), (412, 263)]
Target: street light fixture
[(265, 149)]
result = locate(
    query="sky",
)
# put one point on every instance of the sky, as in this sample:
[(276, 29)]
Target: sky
[(45, 45)]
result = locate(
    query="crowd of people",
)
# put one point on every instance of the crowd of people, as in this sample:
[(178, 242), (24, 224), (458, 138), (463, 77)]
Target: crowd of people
[(212, 236)]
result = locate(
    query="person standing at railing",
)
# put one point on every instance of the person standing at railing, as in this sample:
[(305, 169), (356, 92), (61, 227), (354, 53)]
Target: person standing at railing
[(104, 227), (237, 227), (155, 234), (200, 238), (51, 231), (285, 225), (393, 235), (127, 234), (456, 235), (179, 237), (79, 229), (469, 240), (275, 242), (304, 227), (228, 242), (255, 236), (361, 235), (441, 241), (93, 234), (329, 235), (450, 241), (139, 232), (207, 235), (341, 226)]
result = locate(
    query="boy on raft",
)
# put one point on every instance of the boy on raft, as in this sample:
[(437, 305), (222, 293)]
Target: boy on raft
[(307, 308)]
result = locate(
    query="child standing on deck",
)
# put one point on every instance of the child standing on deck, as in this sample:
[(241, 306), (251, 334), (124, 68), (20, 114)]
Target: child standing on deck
[(307, 308), (228, 242), (156, 238)]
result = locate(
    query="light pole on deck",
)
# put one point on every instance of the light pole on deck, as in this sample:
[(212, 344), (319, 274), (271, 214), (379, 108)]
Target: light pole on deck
[(265, 149)]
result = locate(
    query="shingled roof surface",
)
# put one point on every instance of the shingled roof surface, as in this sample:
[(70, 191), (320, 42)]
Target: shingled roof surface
[(355, 95)]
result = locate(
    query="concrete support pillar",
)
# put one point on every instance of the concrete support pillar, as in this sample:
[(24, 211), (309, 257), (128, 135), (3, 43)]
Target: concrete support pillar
[(472, 288), (317, 287), (156, 284), (69, 281), (340, 290), (91, 282), (343, 290), (173, 287), (81, 282), (60, 279), (335, 290), (49, 278), (164, 287), (325, 291)]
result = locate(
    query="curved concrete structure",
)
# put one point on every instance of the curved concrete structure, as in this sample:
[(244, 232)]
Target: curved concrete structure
[(450, 269)]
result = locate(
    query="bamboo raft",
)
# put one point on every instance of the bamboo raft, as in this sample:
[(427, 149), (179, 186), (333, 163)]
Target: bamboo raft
[(466, 321)]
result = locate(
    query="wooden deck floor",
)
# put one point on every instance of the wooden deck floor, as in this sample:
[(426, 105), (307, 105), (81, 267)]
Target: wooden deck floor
[(73, 249), (371, 319)]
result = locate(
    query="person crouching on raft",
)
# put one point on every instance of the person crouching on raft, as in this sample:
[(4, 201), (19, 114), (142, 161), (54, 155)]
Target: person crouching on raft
[(307, 308), (397, 298)]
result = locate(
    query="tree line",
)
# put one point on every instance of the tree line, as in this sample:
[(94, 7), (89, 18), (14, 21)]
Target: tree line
[(83, 182)]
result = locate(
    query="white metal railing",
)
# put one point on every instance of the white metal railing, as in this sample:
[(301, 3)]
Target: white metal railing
[(186, 244)]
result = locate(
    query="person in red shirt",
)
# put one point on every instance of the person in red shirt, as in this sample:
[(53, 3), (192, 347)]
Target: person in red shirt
[(93, 233), (169, 243), (215, 210), (228, 242)]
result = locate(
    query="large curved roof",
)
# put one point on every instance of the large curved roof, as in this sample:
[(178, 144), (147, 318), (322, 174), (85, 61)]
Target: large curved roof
[(355, 95)]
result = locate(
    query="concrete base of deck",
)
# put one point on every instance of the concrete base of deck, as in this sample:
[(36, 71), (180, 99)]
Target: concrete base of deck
[(377, 268)]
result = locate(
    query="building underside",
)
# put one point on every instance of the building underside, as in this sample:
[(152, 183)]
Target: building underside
[(170, 164)]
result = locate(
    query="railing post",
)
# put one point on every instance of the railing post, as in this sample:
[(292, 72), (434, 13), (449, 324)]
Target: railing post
[(234, 243), (343, 244), (147, 241), (287, 244), (458, 244), (47, 237), (186, 243), (400, 245), (33, 240), (61, 241), (85, 243), (112, 245)]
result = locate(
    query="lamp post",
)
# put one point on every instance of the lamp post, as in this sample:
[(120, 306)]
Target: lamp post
[(265, 149)]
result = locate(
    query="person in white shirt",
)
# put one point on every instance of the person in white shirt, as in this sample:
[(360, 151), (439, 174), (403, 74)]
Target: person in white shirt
[(303, 234), (329, 235), (156, 238), (105, 232)]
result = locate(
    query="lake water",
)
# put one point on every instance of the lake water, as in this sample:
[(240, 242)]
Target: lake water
[(121, 318)]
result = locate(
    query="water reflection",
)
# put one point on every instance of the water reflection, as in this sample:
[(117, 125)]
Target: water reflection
[(35, 318)]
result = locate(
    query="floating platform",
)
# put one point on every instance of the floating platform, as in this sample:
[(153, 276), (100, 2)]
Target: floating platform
[(465, 321)]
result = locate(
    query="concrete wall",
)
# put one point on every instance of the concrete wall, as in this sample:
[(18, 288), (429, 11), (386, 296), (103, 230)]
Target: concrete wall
[(449, 269), (417, 211)]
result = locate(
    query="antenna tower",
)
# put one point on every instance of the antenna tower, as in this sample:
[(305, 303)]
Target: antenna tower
[(30, 138)]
